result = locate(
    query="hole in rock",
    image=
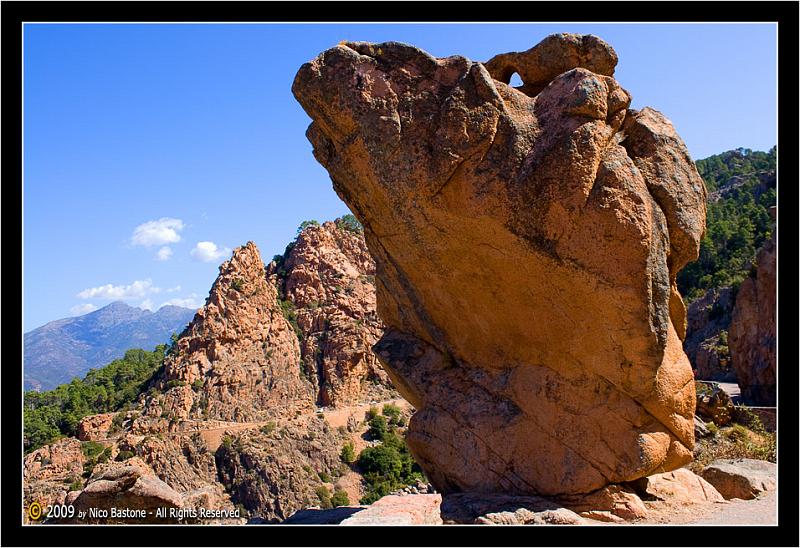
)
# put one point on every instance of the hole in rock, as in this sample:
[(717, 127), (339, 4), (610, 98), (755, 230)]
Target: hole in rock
[(515, 81)]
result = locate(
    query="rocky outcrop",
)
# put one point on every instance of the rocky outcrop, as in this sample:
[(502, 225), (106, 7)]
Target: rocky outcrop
[(131, 486), (399, 510), (706, 344), (680, 485), (276, 472), (229, 421), (327, 282), (613, 502), (500, 509), (741, 478), (752, 331), (239, 359), (713, 403), (95, 427), (51, 472), (526, 245), (58, 460)]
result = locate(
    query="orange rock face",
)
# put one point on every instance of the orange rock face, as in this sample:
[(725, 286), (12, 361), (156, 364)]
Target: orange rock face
[(95, 427), (328, 277), (752, 331), (240, 359), (526, 245)]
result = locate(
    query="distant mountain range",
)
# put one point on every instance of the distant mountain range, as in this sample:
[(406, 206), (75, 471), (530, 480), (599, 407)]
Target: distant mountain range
[(64, 349)]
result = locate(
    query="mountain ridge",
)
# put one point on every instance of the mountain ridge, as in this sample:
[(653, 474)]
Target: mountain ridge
[(63, 349)]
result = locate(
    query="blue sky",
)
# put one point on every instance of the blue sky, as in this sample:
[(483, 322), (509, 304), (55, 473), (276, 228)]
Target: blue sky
[(152, 150)]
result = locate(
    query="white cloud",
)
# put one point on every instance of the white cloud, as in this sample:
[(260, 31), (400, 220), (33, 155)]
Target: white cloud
[(81, 309), (147, 304), (189, 302), (208, 251), (173, 289), (138, 289), (163, 231), (164, 253)]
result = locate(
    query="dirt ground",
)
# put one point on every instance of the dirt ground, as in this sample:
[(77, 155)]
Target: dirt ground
[(760, 511)]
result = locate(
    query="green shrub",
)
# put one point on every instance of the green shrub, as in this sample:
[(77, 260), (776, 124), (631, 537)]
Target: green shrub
[(387, 467), (737, 433), (324, 476), (348, 453), (227, 441), (237, 284), (383, 460), (324, 497), (350, 223), (76, 485), (340, 498), (393, 412), (746, 417), (713, 428), (198, 384), (124, 455), (305, 224), (175, 382), (372, 413), (53, 414), (378, 427), (91, 449), (289, 312), (105, 455), (268, 428)]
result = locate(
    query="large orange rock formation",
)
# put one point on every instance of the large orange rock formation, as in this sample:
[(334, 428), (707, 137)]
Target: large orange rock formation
[(526, 245), (752, 332)]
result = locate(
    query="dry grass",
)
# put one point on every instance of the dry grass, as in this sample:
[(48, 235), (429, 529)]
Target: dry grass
[(734, 442)]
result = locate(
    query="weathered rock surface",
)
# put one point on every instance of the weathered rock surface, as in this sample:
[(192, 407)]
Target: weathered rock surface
[(95, 427), (275, 474), (51, 471), (700, 428), (741, 478), (713, 403), (130, 485), (399, 510), (680, 485), (613, 500), (239, 359), (526, 245), (327, 278), (57, 460), (752, 331), (502, 509), (705, 345)]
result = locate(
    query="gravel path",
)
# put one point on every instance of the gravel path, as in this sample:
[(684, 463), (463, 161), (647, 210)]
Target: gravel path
[(760, 511)]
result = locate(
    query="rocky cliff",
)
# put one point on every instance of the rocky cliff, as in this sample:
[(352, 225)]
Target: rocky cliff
[(231, 420), (752, 331), (327, 282), (706, 344), (239, 359), (526, 245)]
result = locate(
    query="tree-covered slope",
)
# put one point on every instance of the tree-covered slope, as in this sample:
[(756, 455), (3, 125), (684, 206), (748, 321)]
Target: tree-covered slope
[(741, 186), (54, 414)]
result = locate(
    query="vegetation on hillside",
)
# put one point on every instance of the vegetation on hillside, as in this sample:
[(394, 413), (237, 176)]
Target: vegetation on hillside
[(744, 438), (54, 414), (389, 465), (737, 224)]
